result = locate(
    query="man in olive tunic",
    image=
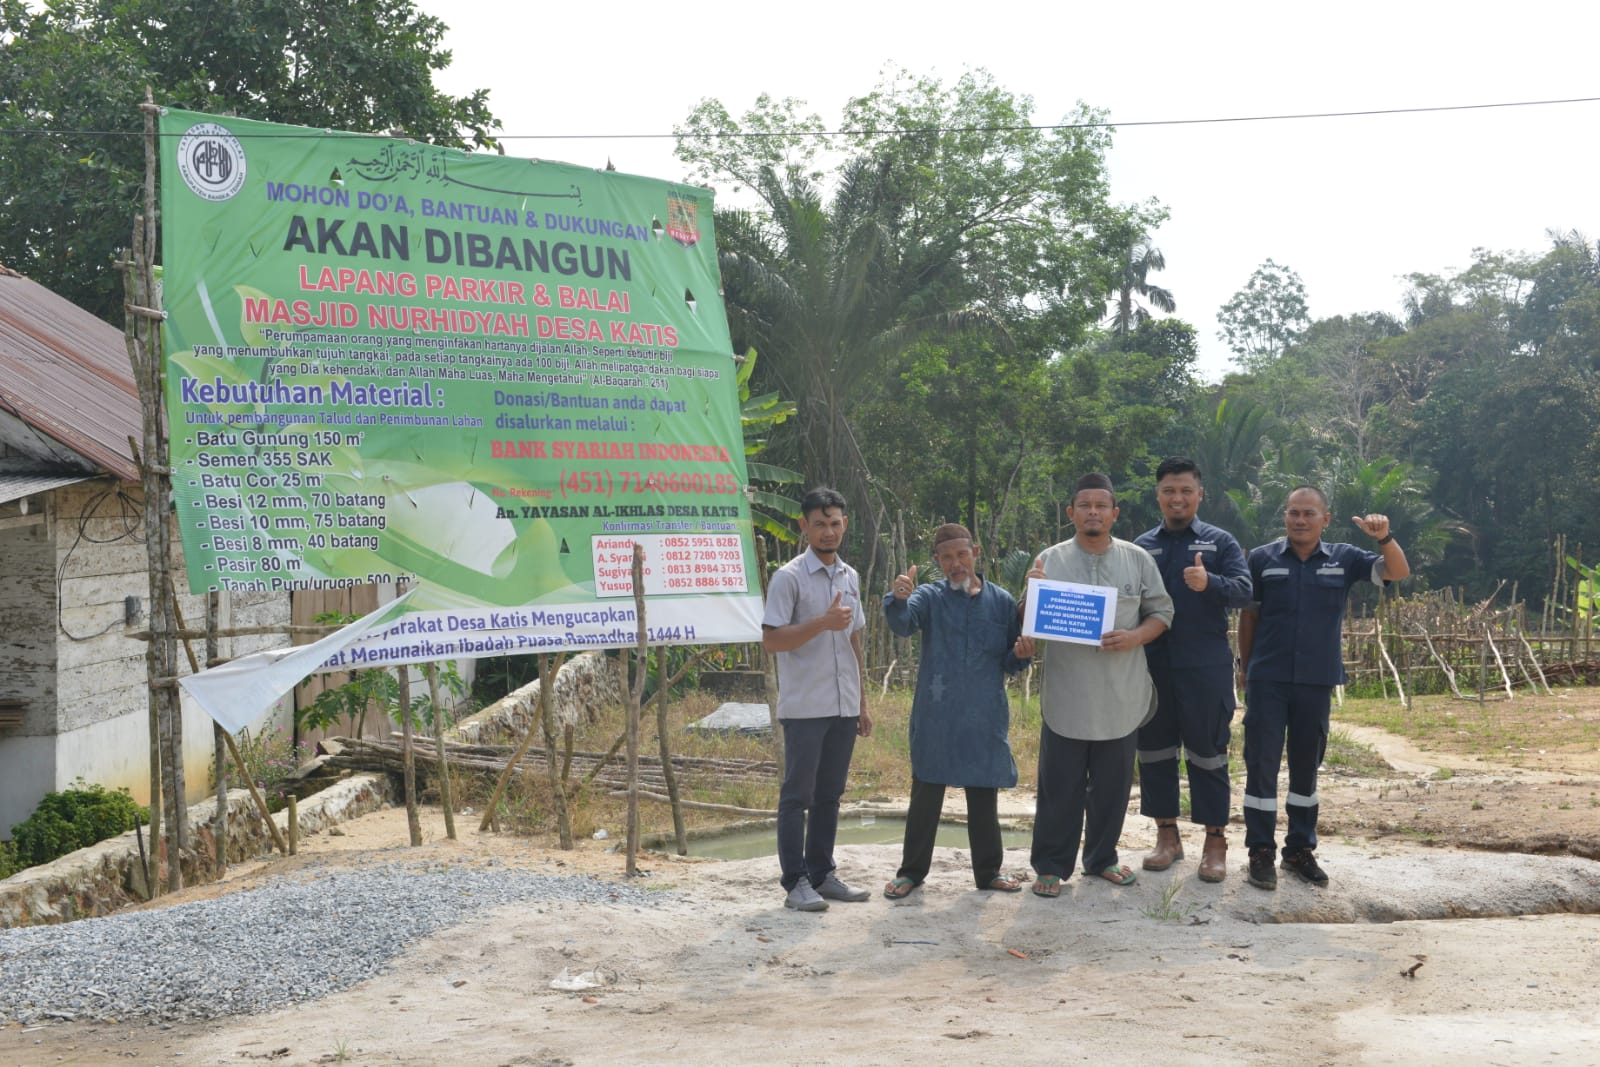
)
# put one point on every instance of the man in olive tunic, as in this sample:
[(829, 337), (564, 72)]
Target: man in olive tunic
[(960, 718), (1094, 698)]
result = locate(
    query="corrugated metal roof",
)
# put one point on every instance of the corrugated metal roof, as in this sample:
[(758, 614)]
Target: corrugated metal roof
[(15, 486), (66, 374)]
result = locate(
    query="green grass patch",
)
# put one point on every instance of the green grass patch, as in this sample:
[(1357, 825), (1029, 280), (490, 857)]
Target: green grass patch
[(1348, 756), (1491, 729)]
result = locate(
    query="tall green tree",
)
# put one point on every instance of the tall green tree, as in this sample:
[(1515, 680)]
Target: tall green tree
[(1261, 320), (1141, 259), (953, 220), (73, 72)]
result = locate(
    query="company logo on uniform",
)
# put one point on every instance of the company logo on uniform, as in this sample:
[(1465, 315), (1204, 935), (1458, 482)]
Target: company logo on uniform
[(683, 220), (211, 161)]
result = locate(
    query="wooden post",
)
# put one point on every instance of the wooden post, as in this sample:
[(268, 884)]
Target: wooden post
[(1499, 662), (769, 663), (409, 757), (1383, 652), (548, 666), (506, 773), (233, 747), (446, 794), (219, 748), (294, 824), (1483, 669), (680, 832), (635, 701), (153, 883), (142, 334)]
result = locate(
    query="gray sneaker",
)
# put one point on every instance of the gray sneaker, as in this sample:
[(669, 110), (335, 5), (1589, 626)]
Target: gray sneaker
[(803, 898), (833, 889)]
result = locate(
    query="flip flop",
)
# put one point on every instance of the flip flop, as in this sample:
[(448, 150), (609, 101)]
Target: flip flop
[(1047, 885), (1001, 884), (1117, 875), (899, 889)]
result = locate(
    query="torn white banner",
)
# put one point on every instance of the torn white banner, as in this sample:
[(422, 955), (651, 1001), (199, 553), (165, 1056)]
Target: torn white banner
[(236, 693)]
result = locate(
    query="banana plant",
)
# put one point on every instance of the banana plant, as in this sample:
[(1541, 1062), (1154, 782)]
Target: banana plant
[(770, 510)]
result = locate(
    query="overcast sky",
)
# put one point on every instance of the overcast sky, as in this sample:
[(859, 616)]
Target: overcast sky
[(1352, 204)]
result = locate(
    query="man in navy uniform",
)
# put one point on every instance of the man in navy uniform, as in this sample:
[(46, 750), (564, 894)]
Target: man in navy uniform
[(1290, 657), (1191, 664)]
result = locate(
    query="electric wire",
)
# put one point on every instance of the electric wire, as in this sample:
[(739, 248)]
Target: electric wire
[(131, 514), (756, 135)]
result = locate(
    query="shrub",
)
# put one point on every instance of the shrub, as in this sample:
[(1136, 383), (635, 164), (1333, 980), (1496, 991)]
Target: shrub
[(77, 817), (269, 760), (8, 860)]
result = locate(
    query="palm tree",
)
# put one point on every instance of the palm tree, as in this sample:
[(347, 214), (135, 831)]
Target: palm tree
[(1230, 444), (827, 291), (1141, 259)]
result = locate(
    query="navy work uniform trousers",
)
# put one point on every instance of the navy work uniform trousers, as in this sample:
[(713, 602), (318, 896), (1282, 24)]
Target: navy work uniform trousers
[(1273, 711), (1194, 712)]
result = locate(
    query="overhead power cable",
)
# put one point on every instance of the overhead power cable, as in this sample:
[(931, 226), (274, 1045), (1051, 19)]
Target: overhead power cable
[(755, 135)]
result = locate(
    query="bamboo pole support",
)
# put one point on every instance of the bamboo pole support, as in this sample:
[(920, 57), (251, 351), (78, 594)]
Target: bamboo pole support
[(769, 663), (505, 777), (408, 758), (219, 749), (680, 832), (547, 723), (701, 805), (635, 702), (1543, 680), (1449, 675), (1500, 663), (145, 323), (238, 631), (616, 746), (446, 793), (233, 747)]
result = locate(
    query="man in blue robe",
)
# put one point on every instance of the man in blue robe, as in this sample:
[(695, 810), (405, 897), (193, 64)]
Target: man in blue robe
[(960, 718)]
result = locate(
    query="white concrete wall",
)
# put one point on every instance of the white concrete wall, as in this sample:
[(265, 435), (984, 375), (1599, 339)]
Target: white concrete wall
[(27, 664), (27, 772), (84, 678)]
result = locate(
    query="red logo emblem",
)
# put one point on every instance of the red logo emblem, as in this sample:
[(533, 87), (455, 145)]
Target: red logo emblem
[(683, 220)]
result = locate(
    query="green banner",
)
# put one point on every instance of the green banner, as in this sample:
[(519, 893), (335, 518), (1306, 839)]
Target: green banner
[(491, 376)]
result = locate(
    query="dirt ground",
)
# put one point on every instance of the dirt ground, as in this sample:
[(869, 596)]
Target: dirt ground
[(1508, 948)]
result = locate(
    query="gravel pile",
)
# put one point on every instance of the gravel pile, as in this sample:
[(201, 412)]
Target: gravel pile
[(283, 943)]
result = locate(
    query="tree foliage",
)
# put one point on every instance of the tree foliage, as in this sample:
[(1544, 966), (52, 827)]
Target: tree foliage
[(73, 72), (1142, 259), (1263, 319), (952, 252)]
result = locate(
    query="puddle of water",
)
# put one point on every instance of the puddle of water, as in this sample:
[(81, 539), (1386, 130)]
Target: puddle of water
[(853, 830)]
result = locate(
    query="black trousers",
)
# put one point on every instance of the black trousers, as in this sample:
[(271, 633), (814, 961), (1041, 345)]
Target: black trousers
[(1083, 796), (816, 766), (922, 826)]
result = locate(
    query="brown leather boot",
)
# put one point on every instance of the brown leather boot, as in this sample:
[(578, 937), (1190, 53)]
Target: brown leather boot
[(1214, 857), (1169, 846)]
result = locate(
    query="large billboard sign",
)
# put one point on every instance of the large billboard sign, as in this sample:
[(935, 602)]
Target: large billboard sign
[(489, 376)]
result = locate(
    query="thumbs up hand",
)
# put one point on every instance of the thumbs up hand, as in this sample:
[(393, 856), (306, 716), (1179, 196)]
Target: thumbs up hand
[(1196, 577), (905, 584), (838, 615), (1037, 570)]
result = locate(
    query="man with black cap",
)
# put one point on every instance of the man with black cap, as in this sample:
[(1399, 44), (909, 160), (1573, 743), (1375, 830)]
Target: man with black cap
[(960, 717), (1093, 698)]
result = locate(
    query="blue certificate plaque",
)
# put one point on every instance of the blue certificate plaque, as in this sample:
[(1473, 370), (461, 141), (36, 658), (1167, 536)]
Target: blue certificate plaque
[(1066, 611)]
